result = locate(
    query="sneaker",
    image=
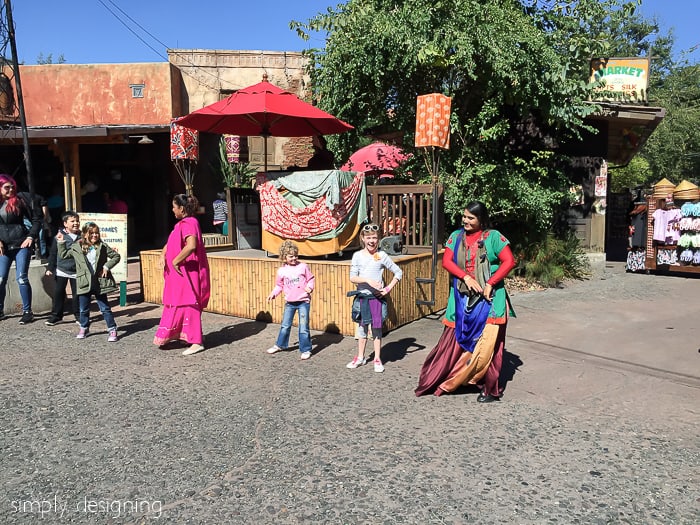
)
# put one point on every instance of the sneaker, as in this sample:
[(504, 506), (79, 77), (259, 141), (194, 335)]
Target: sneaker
[(305, 355), (112, 336), (273, 349), (52, 320), (195, 348), (378, 366), (2, 316), (83, 333), (356, 362), (27, 317)]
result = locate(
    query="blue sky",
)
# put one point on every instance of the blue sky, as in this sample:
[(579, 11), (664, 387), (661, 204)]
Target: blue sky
[(90, 31)]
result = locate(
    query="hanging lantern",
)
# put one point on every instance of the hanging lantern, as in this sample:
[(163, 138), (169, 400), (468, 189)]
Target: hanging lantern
[(233, 148), (433, 121), (184, 152)]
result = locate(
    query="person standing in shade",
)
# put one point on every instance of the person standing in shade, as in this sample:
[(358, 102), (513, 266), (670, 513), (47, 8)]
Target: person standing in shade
[(63, 270), (16, 244), (220, 213), (186, 271)]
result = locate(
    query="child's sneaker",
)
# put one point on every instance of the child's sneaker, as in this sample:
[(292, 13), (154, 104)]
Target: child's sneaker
[(273, 349), (356, 362), (52, 320), (112, 336), (82, 334), (378, 366), (305, 355)]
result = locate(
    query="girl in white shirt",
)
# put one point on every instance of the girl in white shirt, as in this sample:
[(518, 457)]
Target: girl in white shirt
[(366, 272)]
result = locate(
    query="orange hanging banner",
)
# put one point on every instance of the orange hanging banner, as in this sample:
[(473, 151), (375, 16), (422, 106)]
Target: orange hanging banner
[(433, 121)]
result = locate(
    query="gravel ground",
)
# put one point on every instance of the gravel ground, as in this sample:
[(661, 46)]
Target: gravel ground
[(97, 432)]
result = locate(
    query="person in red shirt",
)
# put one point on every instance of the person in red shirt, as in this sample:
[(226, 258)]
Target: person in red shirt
[(470, 350)]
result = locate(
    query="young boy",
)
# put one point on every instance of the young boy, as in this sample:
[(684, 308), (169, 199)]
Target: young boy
[(63, 270)]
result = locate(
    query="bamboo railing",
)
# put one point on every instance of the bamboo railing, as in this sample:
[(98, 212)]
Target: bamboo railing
[(240, 286)]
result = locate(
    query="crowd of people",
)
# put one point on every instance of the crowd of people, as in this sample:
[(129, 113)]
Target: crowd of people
[(469, 351)]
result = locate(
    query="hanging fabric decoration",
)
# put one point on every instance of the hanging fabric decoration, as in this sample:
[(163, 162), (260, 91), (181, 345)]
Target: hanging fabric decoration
[(184, 152), (233, 148)]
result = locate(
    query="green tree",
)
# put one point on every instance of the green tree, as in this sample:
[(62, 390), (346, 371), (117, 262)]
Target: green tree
[(636, 173), (517, 74), (673, 150), (48, 59)]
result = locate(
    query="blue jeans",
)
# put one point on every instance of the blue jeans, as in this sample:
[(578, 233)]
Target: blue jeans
[(21, 256), (286, 328), (101, 299)]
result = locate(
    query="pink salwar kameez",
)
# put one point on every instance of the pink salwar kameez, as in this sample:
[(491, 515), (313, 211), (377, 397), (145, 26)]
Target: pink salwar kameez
[(185, 295)]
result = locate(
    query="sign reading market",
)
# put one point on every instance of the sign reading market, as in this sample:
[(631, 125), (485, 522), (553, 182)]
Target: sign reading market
[(622, 79)]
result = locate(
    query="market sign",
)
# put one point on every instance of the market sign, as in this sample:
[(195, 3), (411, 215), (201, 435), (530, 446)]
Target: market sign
[(622, 79)]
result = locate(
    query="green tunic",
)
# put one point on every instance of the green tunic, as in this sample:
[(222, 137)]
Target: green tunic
[(494, 243)]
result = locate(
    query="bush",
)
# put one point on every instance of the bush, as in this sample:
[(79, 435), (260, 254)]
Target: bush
[(553, 260)]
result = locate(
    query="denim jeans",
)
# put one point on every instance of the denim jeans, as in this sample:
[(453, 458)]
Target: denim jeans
[(21, 256), (101, 299), (304, 335)]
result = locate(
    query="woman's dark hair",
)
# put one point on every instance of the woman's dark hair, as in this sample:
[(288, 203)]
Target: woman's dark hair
[(189, 203), (479, 210)]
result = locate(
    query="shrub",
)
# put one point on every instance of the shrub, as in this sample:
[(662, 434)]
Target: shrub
[(555, 259)]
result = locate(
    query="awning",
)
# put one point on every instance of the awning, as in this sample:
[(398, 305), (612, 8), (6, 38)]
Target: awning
[(622, 131), (107, 134)]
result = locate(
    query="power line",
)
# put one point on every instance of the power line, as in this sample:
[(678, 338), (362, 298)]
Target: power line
[(155, 39)]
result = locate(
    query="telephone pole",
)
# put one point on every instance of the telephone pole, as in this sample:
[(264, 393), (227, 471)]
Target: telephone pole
[(9, 105)]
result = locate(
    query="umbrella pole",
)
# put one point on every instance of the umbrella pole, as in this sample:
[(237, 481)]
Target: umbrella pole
[(265, 135)]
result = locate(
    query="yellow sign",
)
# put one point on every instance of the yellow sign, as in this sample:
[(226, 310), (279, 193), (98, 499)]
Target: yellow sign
[(623, 79)]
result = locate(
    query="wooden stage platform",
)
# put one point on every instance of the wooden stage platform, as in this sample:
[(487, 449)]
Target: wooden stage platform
[(241, 280)]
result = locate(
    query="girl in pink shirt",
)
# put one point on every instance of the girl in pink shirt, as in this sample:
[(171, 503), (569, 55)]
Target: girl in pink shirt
[(297, 282)]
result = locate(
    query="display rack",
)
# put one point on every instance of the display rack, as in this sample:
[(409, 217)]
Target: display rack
[(652, 246)]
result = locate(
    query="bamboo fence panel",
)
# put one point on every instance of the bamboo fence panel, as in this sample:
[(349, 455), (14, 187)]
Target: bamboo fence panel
[(240, 286)]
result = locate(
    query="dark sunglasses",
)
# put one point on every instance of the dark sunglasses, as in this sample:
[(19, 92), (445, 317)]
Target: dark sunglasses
[(370, 228)]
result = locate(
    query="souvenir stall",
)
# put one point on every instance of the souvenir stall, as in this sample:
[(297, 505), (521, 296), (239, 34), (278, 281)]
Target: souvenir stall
[(320, 210), (673, 228)]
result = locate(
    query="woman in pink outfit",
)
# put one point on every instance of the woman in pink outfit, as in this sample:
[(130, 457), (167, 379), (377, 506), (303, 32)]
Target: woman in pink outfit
[(186, 271)]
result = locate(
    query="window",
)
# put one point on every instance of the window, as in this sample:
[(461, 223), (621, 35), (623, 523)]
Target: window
[(137, 90)]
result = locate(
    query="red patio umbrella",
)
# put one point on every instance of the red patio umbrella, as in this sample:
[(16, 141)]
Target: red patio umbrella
[(265, 110), (377, 158)]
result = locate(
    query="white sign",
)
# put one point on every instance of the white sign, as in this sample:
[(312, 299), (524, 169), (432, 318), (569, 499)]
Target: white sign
[(113, 234)]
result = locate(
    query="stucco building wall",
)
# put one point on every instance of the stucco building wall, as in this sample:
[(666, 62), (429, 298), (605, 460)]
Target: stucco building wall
[(100, 94)]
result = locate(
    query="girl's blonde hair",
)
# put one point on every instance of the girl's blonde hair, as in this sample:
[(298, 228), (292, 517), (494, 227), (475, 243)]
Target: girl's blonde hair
[(288, 248), (88, 228)]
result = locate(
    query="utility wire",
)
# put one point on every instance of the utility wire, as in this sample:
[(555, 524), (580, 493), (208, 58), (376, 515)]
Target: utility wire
[(159, 53)]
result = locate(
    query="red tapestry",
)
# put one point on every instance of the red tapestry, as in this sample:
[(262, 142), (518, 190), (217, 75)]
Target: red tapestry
[(282, 219)]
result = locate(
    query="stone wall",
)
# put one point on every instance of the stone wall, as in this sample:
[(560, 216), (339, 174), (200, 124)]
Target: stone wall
[(297, 152)]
